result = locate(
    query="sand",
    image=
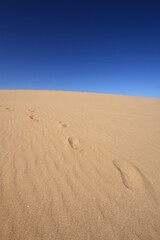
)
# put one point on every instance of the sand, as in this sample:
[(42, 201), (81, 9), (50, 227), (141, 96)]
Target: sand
[(79, 166)]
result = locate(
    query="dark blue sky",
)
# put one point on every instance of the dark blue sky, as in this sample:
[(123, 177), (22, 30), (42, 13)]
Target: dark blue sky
[(93, 46)]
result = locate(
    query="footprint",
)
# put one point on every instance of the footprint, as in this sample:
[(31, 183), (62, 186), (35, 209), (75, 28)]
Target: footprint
[(74, 142), (34, 119), (64, 124), (9, 109), (30, 110), (132, 177)]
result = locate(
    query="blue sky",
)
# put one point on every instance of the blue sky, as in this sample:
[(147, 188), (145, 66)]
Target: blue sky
[(92, 46)]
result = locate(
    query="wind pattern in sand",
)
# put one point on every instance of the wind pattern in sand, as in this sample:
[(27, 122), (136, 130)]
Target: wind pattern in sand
[(79, 166)]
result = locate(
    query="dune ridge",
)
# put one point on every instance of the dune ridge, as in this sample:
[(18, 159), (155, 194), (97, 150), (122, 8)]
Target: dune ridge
[(79, 166)]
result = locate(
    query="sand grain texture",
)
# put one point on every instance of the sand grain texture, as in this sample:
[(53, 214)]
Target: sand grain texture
[(79, 166)]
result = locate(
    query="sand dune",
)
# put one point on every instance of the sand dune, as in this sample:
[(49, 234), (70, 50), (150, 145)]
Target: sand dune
[(79, 166)]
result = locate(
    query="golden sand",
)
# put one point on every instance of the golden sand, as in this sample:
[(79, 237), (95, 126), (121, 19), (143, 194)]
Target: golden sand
[(79, 166)]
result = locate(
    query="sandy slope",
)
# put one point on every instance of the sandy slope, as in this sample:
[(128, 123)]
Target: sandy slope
[(79, 166)]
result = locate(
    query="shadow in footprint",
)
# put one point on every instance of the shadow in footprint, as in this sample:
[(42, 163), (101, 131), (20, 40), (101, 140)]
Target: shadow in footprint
[(9, 109), (65, 125), (74, 142), (33, 118), (30, 110), (132, 177)]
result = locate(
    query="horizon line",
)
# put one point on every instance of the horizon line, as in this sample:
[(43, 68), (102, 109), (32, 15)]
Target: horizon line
[(76, 91)]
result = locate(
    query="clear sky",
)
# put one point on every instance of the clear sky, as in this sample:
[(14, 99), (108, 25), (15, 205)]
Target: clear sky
[(92, 46)]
